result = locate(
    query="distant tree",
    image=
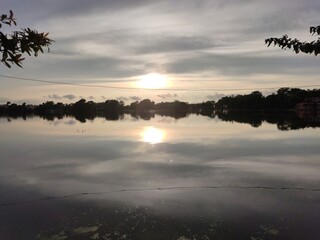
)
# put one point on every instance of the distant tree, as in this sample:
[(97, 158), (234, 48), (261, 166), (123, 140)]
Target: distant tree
[(113, 106), (15, 44), (296, 45), (146, 104), (134, 105)]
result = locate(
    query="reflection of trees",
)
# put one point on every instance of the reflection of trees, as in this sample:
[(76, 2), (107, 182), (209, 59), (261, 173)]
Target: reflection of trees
[(146, 115), (175, 115), (253, 118), (113, 116), (285, 121)]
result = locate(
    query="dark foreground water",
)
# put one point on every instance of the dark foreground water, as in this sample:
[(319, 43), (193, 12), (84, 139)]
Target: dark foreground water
[(192, 178)]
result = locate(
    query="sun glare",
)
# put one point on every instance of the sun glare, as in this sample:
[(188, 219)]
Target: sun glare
[(153, 80), (153, 135)]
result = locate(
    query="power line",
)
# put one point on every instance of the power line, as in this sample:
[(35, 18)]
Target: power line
[(152, 89), (64, 83)]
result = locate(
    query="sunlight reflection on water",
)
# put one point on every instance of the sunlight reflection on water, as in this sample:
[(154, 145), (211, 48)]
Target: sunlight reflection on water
[(153, 135)]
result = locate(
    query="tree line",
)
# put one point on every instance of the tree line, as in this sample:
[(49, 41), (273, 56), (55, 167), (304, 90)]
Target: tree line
[(284, 99)]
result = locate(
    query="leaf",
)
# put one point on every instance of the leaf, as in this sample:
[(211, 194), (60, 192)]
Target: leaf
[(7, 64), (19, 64), (312, 30), (17, 57), (4, 56), (3, 17), (11, 55)]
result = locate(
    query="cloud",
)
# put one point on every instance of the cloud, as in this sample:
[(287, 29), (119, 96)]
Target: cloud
[(5, 100), (88, 66), (69, 96), (123, 98), (116, 41), (135, 98), (70, 122), (244, 64), (132, 98), (58, 97), (168, 95), (215, 96), (162, 44), (76, 7), (54, 96)]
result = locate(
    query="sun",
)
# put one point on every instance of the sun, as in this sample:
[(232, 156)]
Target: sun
[(153, 81)]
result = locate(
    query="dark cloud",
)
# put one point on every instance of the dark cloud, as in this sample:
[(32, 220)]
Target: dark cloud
[(76, 7), (245, 64), (168, 95), (72, 8), (88, 67), (162, 44)]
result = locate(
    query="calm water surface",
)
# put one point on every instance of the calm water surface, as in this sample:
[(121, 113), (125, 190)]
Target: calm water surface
[(192, 178)]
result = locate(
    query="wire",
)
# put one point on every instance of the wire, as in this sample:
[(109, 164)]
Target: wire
[(152, 89)]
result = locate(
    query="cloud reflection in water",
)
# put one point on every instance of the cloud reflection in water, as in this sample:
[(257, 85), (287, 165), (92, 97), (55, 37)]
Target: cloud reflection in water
[(40, 160)]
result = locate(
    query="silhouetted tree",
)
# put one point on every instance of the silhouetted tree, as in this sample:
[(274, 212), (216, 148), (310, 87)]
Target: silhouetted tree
[(288, 43), (14, 45), (113, 106), (134, 106), (146, 104)]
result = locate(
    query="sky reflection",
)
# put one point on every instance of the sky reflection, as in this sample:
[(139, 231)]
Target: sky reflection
[(39, 159)]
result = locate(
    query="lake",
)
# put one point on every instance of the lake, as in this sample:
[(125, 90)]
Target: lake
[(163, 178)]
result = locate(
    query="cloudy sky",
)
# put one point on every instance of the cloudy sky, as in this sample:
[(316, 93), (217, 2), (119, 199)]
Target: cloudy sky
[(202, 49)]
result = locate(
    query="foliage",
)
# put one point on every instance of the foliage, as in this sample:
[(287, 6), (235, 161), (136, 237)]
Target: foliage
[(284, 99), (288, 43), (14, 45)]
